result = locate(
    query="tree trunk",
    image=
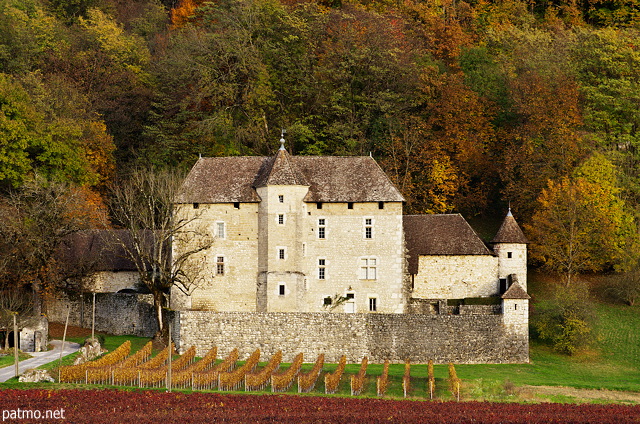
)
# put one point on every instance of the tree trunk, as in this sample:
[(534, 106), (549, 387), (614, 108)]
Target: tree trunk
[(158, 298)]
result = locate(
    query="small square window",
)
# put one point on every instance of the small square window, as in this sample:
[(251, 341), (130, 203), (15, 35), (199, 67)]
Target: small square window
[(351, 296), (319, 205), (281, 289), (281, 198), (350, 205), (509, 255), (196, 205), (380, 205), (327, 301), (236, 205)]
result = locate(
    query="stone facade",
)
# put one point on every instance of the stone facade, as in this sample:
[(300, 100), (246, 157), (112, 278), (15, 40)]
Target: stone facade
[(284, 243), (456, 276)]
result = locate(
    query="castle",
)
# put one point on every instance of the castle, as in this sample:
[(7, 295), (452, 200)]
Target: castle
[(316, 248)]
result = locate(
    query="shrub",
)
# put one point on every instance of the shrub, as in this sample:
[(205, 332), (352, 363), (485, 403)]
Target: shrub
[(565, 322)]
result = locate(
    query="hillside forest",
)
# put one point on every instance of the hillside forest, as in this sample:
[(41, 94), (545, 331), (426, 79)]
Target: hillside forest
[(469, 106)]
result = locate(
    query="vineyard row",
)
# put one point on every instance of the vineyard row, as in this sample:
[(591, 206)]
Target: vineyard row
[(141, 370)]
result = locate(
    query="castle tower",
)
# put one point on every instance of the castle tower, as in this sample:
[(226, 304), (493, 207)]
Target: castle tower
[(515, 317), (510, 245), (282, 188)]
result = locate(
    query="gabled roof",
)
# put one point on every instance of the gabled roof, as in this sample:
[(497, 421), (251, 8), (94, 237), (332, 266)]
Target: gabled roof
[(330, 179), (346, 179), (510, 232), (223, 180), (516, 292), (447, 234)]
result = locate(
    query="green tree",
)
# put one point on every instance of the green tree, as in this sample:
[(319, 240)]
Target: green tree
[(581, 224), (45, 130)]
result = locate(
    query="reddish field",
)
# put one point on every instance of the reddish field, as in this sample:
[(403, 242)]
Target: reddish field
[(112, 406)]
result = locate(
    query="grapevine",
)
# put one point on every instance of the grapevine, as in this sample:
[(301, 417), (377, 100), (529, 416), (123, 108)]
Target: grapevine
[(307, 381)]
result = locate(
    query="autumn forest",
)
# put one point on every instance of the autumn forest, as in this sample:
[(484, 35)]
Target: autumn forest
[(468, 106)]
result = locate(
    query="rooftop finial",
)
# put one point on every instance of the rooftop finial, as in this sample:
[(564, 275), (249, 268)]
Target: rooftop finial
[(282, 133), (509, 213)]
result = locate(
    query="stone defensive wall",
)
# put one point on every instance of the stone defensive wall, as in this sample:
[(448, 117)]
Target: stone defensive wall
[(465, 338), (116, 313)]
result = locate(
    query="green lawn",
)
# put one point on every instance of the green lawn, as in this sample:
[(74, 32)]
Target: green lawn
[(7, 360)]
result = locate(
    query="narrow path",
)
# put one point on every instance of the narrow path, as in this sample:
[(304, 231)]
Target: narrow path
[(39, 358)]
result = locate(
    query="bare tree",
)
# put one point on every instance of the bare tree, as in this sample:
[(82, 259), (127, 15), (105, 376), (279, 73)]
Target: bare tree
[(14, 302), (34, 219), (143, 205)]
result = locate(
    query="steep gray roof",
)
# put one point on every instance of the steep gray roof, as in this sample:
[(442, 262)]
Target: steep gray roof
[(330, 179), (516, 292), (223, 180), (346, 179), (447, 234), (510, 231)]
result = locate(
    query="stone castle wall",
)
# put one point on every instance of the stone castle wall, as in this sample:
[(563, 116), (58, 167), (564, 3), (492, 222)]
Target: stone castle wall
[(397, 337), (116, 313)]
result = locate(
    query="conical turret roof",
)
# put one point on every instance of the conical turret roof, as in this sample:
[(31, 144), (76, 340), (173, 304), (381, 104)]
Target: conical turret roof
[(281, 170), (510, 231), (516, 292)]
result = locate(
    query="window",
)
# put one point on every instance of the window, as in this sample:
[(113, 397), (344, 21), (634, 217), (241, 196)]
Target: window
[(509, 255), (327, 301), (236, 205), (280, 253), (368, 228), (350, 304), (373, 304), (281, 289), (319, 205), (350, 205), (220, 230), (322, 228), (281, 219), (368, 268), (322, 269), (196, 205), (281, 198), (380, 205), (220, 265)]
